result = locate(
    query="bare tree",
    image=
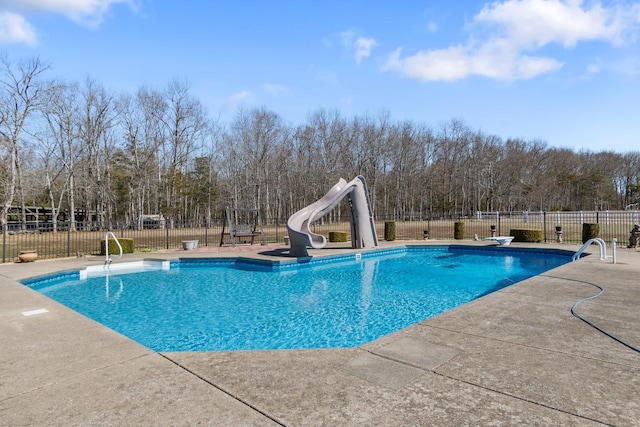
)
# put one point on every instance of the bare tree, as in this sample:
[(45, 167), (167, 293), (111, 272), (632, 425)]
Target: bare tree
[(328, 142), (185, 126), (61, 147), (156, 151), (22, 93), (142, 129), (405, 163), (259, 134), (303, 163), (153, 106), (452, 155), (628, 180), (487, 152), (95, 122)]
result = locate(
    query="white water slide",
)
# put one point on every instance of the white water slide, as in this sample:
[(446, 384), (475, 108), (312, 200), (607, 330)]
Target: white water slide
[(363, 231)]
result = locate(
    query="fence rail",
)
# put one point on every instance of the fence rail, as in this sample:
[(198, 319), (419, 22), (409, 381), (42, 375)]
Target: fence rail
[(79, 239)]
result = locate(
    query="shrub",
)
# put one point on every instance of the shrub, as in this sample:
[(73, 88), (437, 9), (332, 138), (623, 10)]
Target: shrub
[(126, 243), (458, 230), (338, 236), (390, 231), (590, 231), (530, 235)]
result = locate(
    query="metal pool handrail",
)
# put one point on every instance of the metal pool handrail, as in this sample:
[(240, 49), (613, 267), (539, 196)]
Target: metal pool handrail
[(108, 259), (601, 244)]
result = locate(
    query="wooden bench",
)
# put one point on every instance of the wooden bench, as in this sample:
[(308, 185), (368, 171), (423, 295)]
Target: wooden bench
[(244, 230), (238, 223)]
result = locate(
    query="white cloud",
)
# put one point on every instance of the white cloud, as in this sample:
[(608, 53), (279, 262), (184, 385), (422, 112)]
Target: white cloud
[(592, 70), (363, 47), (449, 64), (15, 29), (535, 23), (457, 63), (505, 36), (240, 98), (13, 13), (346, 37), (527, 67), (85, 12), (360, 47), (275, 89)]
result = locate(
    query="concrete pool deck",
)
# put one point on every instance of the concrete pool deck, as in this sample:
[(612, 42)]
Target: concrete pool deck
[(514, 357)]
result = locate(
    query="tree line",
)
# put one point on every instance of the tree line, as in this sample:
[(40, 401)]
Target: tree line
[(77, 145)]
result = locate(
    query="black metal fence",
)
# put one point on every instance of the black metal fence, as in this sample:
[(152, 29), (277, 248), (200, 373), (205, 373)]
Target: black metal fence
[(555, 226), (78, 239)]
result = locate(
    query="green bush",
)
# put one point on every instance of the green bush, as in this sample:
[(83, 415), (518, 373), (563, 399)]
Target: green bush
[(126, 243), (530, 235), (458, 230), (390, 231), (338, 236), (590, 231)]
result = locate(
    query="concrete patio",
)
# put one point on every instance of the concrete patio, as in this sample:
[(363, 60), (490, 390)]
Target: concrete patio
[(515, 357)]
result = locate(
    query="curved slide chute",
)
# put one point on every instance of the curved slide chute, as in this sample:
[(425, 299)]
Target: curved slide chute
[(363, 231)]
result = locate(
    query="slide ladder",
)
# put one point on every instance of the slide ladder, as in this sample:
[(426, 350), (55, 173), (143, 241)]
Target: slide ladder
[(373, 240)]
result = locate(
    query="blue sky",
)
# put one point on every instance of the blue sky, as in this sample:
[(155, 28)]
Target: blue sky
[(563, 71)]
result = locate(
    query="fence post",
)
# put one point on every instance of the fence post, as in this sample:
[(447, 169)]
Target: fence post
[(167, 235), (544, 225), (206, 232), (69, 239), (4, 243)]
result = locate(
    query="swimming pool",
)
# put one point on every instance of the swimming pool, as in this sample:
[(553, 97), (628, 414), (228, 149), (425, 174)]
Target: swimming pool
[(218, 304)]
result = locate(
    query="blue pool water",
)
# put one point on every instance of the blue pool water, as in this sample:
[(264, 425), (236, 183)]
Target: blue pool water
[(218, 304)]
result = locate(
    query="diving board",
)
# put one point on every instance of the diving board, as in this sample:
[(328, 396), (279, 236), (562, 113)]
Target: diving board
[(501, 240)]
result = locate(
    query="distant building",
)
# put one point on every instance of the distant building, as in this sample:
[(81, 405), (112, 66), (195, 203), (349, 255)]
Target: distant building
[(152, 221)]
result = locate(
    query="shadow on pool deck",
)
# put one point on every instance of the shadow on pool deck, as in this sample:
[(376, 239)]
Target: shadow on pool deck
[(515, 357)]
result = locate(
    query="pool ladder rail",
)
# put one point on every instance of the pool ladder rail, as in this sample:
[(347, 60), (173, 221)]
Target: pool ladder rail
[(108, 259), (602, 246)]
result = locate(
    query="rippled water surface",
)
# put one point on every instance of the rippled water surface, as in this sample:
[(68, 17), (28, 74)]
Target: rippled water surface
[(215, 305)]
